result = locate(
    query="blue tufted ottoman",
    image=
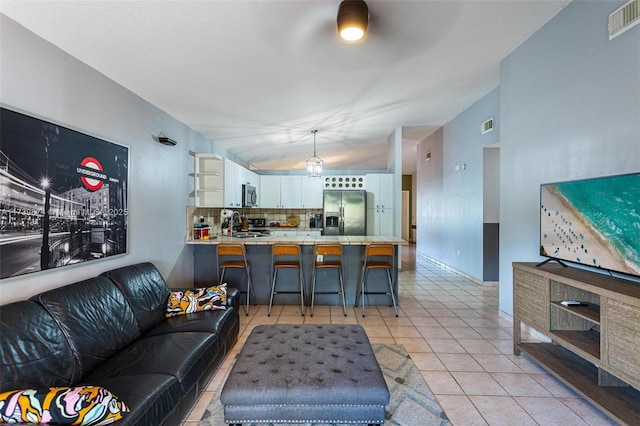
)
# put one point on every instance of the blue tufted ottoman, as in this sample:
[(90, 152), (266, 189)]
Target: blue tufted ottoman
[(305, 374)]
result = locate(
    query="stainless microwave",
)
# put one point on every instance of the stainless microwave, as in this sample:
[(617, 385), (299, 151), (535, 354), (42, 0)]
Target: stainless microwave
[(249, 196)]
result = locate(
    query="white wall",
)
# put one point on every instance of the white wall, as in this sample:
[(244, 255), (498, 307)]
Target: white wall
[(570, 109), (39, 79), (394, 165), (450, 201)]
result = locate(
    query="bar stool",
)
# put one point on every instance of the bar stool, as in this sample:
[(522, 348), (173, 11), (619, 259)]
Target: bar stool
[(381, 257), (331, 259), (286, 256), (234, 255)]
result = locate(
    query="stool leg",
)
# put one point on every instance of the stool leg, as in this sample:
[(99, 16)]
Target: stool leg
[(344, 303), (393, 297), (249, 290), (273, 288), (362, 290), (313, 287), (302, 307), (221, 277)]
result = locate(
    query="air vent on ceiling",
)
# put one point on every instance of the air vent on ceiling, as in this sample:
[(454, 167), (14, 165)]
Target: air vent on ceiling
[(487, 126), (625, 18)]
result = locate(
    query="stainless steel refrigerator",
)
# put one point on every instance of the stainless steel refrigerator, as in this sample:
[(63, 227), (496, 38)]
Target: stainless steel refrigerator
[(345, 212)]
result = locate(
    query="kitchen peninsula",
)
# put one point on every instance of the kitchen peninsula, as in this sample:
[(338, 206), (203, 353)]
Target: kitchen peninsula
[(259, 257)]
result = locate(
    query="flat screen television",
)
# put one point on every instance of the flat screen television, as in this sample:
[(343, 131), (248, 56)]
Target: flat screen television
[(593, 222)]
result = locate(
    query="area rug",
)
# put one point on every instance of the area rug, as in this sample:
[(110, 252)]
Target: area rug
[(411, 402)]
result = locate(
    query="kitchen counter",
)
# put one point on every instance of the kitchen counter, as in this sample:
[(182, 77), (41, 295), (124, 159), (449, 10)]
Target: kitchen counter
[(259, 257), (302, 240)]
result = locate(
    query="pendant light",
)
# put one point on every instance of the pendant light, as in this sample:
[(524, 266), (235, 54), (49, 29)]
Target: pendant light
[(314, 164), (353, 18)]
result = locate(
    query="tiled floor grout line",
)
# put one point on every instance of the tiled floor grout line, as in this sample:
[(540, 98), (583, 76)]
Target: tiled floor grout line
[(451, 328)]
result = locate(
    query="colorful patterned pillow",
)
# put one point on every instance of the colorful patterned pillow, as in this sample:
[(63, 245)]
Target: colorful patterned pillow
[(80, 405), (198, 299)]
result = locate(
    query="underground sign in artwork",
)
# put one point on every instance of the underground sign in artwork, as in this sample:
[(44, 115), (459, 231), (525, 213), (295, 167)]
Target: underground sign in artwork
[(63, 196)]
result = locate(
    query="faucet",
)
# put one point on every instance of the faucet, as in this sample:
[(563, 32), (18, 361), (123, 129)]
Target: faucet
[(232, 220)]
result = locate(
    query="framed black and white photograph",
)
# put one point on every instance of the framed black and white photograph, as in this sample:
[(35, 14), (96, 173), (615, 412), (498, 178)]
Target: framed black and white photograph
[(63, 196)]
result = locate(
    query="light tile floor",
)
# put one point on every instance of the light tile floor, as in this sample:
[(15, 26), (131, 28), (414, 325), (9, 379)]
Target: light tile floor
[(451, 328)]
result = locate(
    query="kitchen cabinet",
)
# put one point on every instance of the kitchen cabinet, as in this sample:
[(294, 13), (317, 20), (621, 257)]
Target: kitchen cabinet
[(380, 190), (290, 192), (235, 176), (311, 192), (232, 185), (380, 203), (296, 233), (209, 180), (380, 222), (269, 194)]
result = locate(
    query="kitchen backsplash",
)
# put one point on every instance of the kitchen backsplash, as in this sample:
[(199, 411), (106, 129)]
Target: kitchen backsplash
[(212, 215)]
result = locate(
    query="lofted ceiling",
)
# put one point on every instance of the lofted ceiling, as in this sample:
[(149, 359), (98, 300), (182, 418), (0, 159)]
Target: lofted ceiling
[(257, 76)]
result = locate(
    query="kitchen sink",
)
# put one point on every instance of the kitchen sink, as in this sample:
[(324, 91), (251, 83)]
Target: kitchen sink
[(247, 234)]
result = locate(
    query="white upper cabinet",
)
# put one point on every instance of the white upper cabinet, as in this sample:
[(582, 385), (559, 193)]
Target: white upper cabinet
[(380, 190), (232, 185), (269, 192), (290, 192), (311, 192), (235, 176)]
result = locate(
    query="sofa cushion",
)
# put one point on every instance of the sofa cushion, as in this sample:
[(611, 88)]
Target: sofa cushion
[(197, 300), (182, 355), (146, 291), (150, 397), (216, 322), (95, 318), (225, 324), (78, 405), (34, 352)]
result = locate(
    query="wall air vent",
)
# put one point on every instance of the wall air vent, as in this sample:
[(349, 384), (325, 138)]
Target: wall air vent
[(345, 182), (487, 126), (625, 18)]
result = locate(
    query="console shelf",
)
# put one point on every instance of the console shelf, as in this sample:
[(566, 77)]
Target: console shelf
[(595, 348), (620, 403)]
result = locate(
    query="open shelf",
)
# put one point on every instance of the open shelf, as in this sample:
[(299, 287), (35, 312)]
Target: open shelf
[(586, 341), (619, 403), (591, 312)]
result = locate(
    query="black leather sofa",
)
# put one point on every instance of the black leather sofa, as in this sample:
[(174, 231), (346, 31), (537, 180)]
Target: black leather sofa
[(111, 331)]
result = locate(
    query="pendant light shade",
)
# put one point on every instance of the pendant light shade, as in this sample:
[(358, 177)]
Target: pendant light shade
[(314, 164), (353, 18)]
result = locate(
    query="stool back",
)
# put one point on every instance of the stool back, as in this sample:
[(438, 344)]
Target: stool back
[(379, 250), (328, 249), (378, 255), (231, 249), (286, 250)]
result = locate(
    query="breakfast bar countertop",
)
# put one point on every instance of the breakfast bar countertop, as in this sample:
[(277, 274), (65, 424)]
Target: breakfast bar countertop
[(303, 240)]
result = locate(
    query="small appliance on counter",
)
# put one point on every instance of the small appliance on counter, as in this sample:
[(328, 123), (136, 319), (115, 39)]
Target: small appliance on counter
[(316, 221), (258, 224)]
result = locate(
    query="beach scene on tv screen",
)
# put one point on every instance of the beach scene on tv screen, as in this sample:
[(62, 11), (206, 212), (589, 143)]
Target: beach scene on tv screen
[(594, 222)]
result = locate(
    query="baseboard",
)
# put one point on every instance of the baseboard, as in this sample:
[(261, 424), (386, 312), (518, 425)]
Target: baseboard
[(453, 270)]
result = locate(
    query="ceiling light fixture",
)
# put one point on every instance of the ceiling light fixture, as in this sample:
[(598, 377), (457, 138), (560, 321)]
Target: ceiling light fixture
[(353, 18), (314, 164)]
